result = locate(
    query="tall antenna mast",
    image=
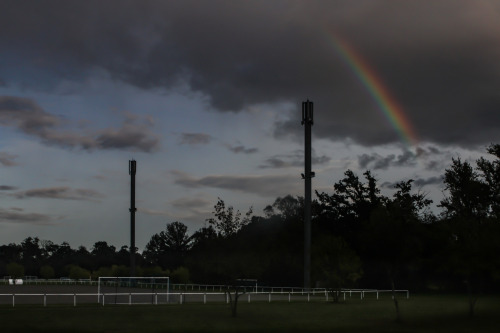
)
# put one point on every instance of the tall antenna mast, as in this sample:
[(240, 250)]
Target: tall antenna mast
[(132, 167), (307, 121)]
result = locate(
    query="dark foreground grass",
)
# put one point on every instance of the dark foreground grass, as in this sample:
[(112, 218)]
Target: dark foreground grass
[(419, 314)]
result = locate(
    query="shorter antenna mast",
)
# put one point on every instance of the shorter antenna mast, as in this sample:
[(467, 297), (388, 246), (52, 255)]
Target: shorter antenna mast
[(132, 167)]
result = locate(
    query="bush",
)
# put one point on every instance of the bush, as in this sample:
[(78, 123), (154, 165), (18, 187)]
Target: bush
[(120, 270), (102, 271), (47, 272), (15, 270), (155, 271), (76, 272), (180, 275)]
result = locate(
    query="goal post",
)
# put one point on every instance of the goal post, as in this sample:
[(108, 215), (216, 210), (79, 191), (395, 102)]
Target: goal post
[(247, 283), (133, 289)]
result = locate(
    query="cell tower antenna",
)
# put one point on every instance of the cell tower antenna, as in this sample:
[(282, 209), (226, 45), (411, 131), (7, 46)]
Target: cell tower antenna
[(307, 121), (132, 168)]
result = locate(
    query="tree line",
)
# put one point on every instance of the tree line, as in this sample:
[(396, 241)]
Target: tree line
[(360, 238)]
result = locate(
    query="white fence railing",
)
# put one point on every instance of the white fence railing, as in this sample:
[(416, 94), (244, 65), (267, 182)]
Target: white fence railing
[(184, 297), (84, 282)]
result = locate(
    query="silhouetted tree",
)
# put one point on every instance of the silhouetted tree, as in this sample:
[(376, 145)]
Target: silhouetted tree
[(287, 208), (225, 221), (103, 254), (468, 210), (9, 253), (123, 256), (169, 247), (490, 175), (31, 255), (83, 258), (203, 237), (350, 205)]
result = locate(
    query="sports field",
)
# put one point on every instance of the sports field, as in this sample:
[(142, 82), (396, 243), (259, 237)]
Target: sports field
[(419, 314)]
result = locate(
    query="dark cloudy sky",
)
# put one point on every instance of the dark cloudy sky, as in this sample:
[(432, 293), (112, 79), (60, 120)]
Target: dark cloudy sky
[(206, 95)]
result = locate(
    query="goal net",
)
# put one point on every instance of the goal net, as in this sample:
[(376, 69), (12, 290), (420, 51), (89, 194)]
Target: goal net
[(133, 290)]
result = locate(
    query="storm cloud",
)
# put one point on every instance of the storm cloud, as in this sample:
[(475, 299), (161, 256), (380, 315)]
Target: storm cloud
[(438, 59)]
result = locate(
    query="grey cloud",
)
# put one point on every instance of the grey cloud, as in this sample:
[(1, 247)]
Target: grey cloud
[(18, 216), (277, 162), (25, 115), (293, 159), (7, 188), (261, 185), (64, 193), (436, 58), (428, 181), (7, 159), (365, 159), (130, 137), (152, 212), (242, 149), (376, 161), (195, 138), (384, 162), (434, 165), (418, 183), (190, 203), (318, 160)]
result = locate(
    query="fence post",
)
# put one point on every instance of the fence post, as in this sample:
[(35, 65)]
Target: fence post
[(205, 298), (74, 299), (249, 298), (103, 294), (44, 299), (269, 297), (289, 298), (407, 294), (13, 301), (308, 297)]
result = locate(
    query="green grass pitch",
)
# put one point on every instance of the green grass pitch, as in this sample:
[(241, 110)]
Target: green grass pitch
[(419, 314)]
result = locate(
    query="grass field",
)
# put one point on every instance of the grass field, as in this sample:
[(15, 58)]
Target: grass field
[(419, 314)]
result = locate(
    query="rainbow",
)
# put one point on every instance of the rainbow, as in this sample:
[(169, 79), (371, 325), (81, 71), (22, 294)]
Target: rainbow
[(376, 88)]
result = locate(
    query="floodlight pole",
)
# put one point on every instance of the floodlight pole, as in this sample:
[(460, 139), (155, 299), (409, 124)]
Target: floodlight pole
[(132, 167), (307, 121)]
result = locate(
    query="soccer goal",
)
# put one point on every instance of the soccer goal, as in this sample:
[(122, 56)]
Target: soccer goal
[(133, 290)]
